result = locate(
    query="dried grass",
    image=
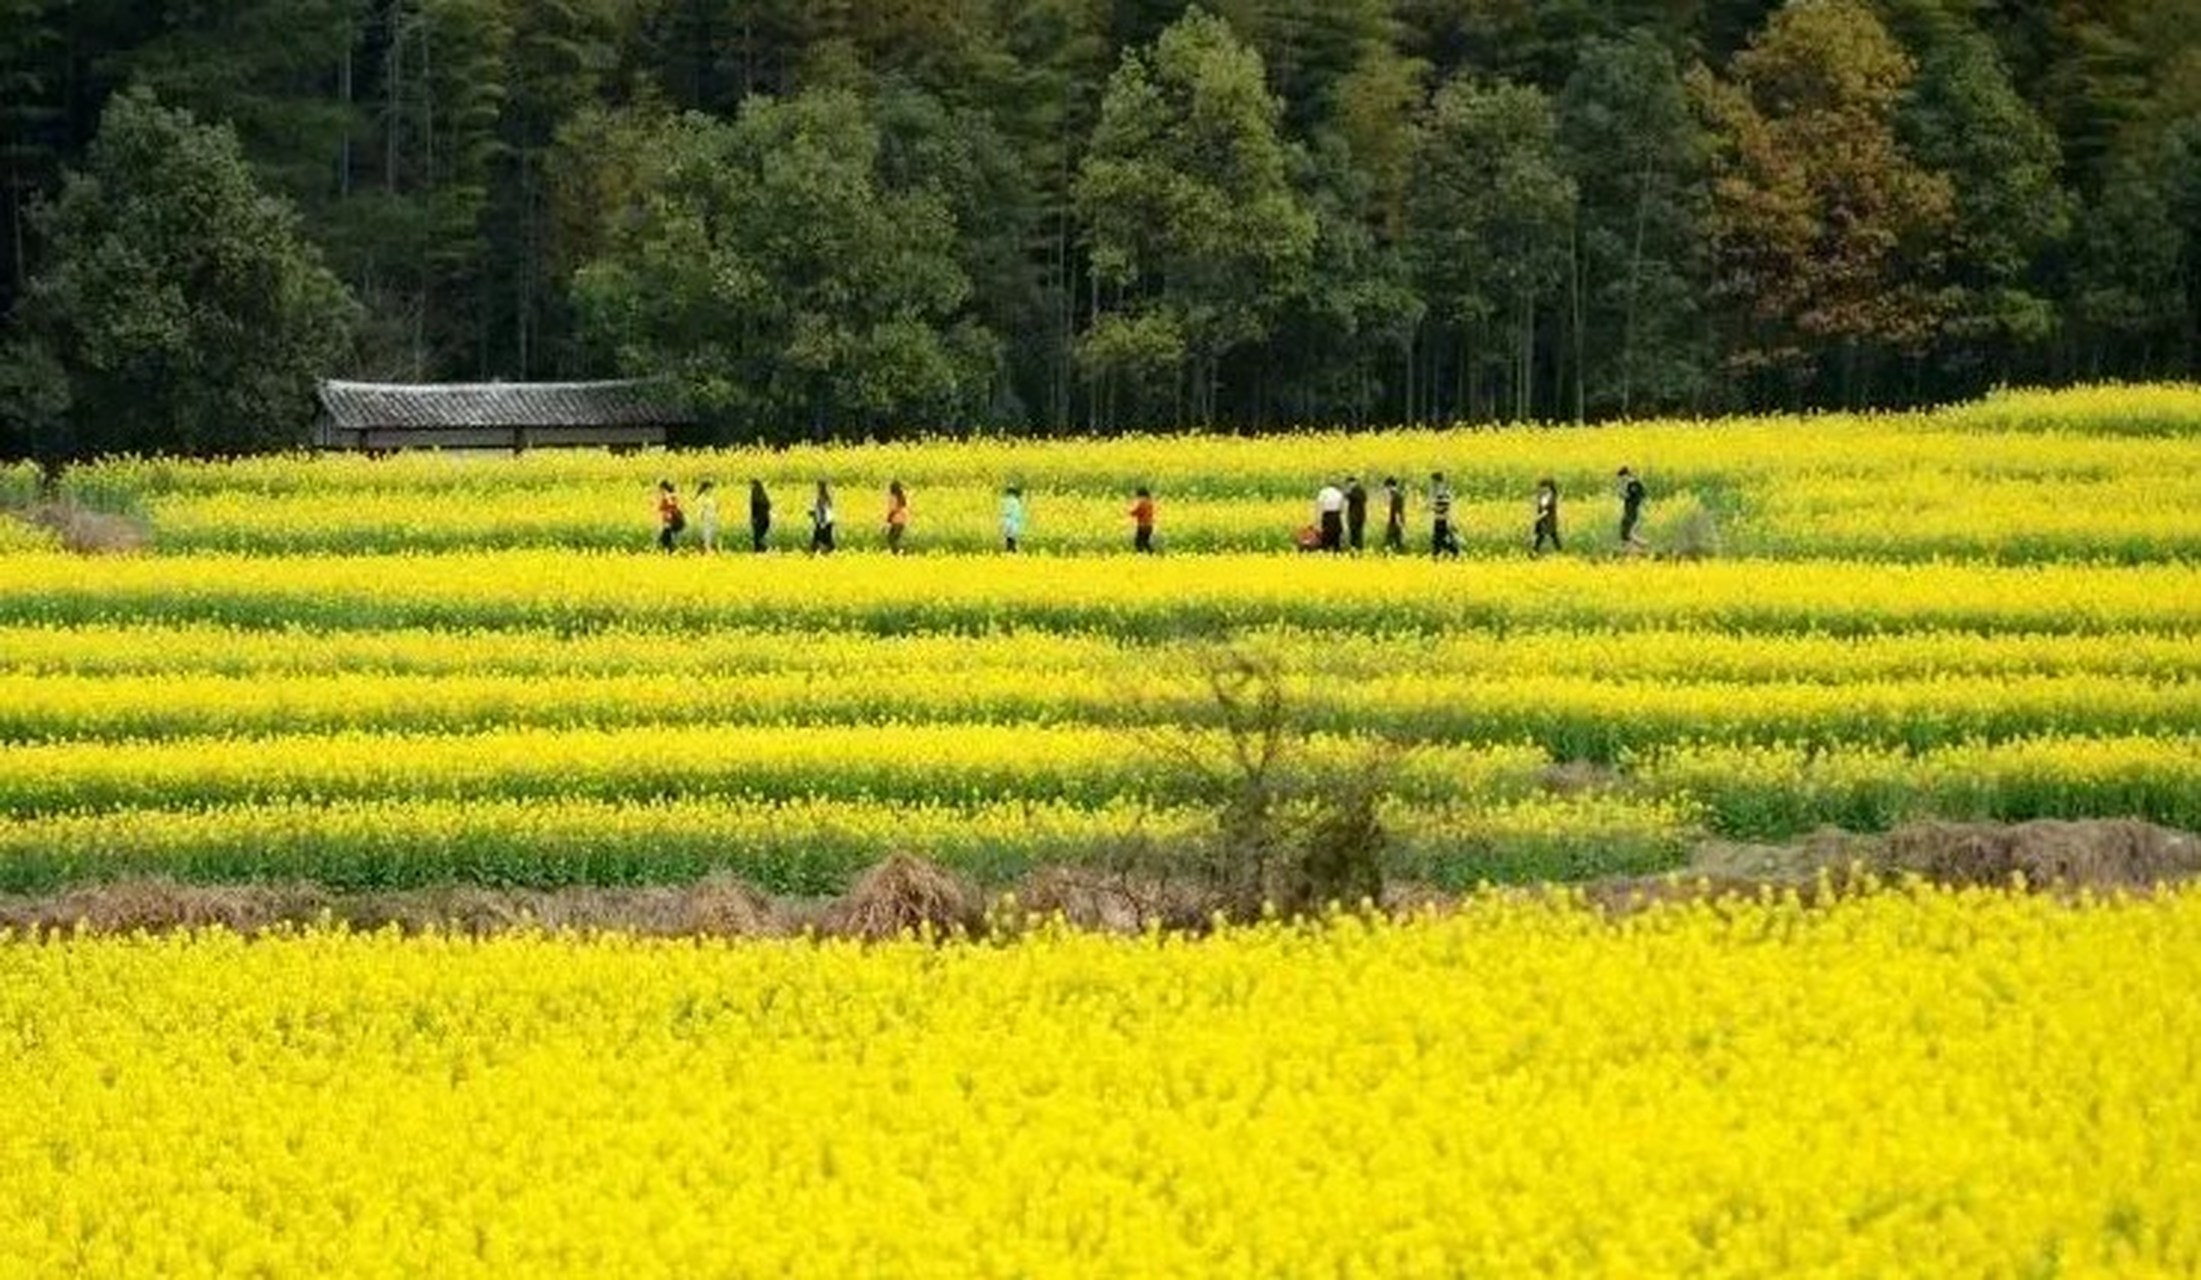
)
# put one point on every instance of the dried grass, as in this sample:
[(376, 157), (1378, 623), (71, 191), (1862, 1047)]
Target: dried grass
[(2059, 857), (904, 896), (2104, 856), (86, 532)]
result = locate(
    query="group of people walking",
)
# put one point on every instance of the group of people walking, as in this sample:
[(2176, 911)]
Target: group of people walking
[(1341, 517)]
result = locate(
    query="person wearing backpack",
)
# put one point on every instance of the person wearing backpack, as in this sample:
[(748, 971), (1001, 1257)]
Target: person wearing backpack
[(670, 522), (821, 519)]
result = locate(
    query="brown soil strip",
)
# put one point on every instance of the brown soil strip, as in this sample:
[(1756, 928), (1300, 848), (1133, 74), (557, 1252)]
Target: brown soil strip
[(904, 894)]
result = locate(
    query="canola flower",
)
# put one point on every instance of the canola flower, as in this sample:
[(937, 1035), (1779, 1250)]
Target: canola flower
[(426, 665), (2077, 475), (807, 845), (1171, 597), (1569, 717), (1923, 1083), (192, 649)]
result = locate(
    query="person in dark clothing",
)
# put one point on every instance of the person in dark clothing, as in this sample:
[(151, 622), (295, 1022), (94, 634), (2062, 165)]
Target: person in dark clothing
[(1329, 506), (1632, 495), (760, 515), (1356, 513), (821, 519), (1547, 515), (1394, 517), (1443, 541)]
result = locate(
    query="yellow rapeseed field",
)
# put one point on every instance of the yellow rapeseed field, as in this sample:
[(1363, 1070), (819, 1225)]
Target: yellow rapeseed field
[(389, 672), (1917, 1083)]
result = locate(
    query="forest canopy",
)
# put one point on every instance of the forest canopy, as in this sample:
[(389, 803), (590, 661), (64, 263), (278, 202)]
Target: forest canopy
[(823, 218)]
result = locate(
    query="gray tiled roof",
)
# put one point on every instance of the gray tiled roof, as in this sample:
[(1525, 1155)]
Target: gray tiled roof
[(371, 405)]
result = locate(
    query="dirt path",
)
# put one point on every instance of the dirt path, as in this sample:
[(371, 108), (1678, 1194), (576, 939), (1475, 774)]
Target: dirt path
[(907, 893)]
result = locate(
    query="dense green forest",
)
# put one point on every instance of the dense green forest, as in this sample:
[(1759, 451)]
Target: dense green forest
[(840, 217)]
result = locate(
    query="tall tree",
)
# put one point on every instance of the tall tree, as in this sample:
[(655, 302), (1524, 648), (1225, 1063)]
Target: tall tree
[(559, 53), (1828, 237), (1193, 225), (268, 68), (1045, 93), (1638, 155), (771, 270), (1346, 343), (1965, 119), (1491, 221), (180, 307), (32, 116)]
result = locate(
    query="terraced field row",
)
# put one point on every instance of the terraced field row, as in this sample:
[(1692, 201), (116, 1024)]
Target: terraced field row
[(2088, 476)]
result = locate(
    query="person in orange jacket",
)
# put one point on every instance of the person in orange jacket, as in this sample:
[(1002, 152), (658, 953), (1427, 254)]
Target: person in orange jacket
[(669, 519), (1142, 522), (897, 516)]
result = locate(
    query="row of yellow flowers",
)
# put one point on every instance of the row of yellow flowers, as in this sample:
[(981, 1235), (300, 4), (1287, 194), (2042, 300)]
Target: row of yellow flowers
[(804, 845), (2126, 514), (1982, 481), (1168, 597), (1570, 717), (1751, 789), (1314, 656), (2139, 430), (1912, 1083)]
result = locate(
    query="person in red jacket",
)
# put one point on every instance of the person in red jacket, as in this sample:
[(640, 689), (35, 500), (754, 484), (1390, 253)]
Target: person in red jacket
[(669, 520), (1142, 523)]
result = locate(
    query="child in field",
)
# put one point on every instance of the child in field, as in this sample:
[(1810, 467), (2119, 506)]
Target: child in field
[(1012, 518), (760, 516), (1394, 518), (821, 519), (1142, 523), (897, 516), (1547, 515), (669, 520), (706, 512)]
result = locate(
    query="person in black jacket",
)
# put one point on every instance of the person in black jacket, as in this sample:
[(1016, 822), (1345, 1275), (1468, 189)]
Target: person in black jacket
[(1356, 513), (1547, 515), (1632, 495), (1444, 540), (760, 515), (821, 519)]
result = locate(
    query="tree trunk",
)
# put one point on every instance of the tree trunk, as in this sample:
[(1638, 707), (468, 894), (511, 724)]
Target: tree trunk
[(1576, 266), (393, 96), (344, 148), (1635, 280), (1524, 378), (1412, 341)]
